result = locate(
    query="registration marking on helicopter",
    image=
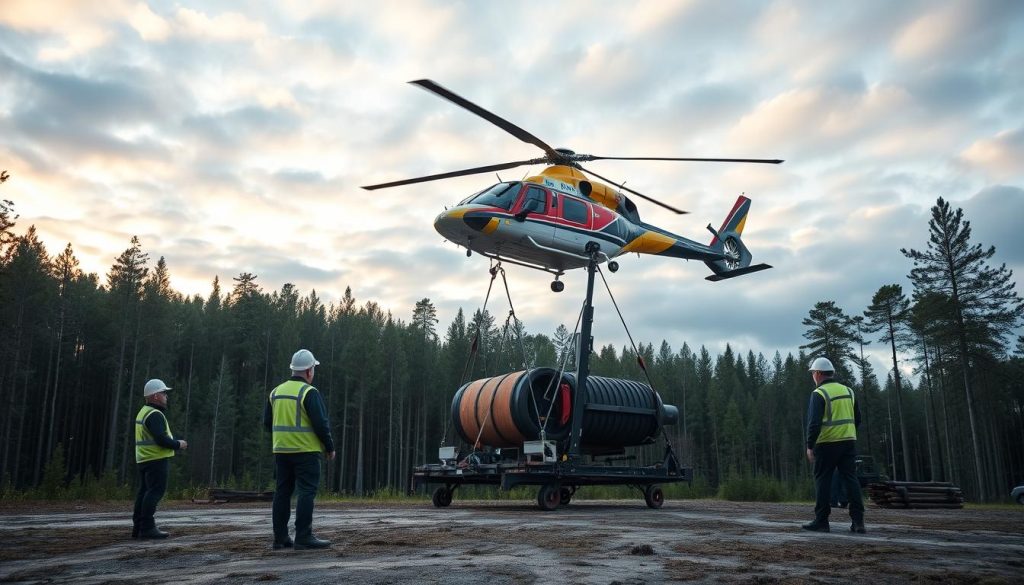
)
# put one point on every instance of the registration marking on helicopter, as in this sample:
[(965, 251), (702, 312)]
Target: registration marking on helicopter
[(561, 186)]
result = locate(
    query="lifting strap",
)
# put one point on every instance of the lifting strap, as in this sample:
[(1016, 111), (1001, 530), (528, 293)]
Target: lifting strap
[(639, 358), (495, 269), (473, 348)]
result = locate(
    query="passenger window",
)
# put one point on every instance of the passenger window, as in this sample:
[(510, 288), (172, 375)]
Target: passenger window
[(573, 210)]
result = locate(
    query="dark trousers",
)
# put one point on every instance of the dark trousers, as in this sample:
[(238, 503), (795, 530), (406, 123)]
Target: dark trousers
[(838, 491), (828, 458), (152, 486), (295, 473)]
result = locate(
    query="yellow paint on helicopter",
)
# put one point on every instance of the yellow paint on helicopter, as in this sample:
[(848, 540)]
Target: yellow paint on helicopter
[(492, 224), (568, 176), (649, 243), (457, 213), (739, 227)]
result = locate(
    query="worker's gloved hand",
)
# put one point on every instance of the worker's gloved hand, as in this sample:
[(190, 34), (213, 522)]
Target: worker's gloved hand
[(810, 455), (330, 455), (182, 444)]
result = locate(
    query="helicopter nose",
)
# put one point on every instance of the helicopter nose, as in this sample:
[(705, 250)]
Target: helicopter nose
[(450, 225), (456, 224)]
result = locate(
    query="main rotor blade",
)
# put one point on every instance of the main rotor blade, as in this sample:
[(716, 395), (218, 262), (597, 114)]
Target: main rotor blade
[(638, 194), (473, 171), (771, 161), (492, 118)]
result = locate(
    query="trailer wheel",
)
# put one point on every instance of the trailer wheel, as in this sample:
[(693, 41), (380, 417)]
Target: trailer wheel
[(564, 496), (549, 496), (654, 496), (442, 497)]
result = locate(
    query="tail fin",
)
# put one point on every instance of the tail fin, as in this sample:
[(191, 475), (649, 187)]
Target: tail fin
[(736, 261)]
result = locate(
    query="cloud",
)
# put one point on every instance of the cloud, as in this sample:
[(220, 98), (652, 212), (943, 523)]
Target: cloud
[(149, 25), (994, 213), (818, 121), (957, 31), (1000, 156), (236, 138)]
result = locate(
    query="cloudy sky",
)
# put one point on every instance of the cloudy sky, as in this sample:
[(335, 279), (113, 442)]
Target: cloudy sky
[(235, 139)]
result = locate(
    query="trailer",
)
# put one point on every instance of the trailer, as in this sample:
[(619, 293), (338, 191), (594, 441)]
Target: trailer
[(521, 433), (557, 481)]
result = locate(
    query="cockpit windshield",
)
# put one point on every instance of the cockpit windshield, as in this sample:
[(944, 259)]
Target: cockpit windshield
[(501, 195)]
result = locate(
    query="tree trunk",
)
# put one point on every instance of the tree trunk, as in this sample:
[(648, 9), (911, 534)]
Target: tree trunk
[(216, 416), (108, 464), (56, 386), (342, 467), (951, 474), (43, 412), (899, 403), (20, 434), (933, 429), (892, 442), (263, 431), (188, 399), (359, 442), (391, 421), (130, 430)]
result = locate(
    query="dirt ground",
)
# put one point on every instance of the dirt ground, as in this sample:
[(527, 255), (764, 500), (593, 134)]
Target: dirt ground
[(605, 542)]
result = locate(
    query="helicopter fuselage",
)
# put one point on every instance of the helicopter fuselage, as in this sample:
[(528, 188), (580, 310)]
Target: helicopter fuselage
[(545, 222)]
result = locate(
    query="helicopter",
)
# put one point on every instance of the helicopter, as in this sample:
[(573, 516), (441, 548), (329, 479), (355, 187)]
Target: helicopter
[(546, 221)]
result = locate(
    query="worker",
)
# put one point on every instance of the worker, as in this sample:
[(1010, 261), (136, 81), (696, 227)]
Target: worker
[(832, 418), (154, 447), (296, 416)]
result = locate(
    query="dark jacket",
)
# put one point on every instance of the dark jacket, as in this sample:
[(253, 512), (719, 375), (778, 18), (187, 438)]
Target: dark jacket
[(156, 424)]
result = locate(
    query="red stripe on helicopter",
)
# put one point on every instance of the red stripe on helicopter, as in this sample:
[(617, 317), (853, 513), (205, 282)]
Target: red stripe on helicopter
[(728, 219)]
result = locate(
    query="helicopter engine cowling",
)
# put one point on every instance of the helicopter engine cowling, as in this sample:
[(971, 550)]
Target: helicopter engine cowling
[(502, 411)]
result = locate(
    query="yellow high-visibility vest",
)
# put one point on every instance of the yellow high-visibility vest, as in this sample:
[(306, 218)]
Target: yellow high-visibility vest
[(293, 432), (837, 422), (146, 448)]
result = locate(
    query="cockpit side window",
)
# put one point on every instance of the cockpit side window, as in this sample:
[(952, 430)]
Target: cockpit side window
[(501, 195), (536, 200)]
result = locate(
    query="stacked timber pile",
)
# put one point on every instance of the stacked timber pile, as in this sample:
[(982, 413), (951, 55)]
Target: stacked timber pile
[(916, 494), (226, 496)]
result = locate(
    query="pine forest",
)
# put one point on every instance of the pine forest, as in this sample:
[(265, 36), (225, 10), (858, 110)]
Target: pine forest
[(76, 349)]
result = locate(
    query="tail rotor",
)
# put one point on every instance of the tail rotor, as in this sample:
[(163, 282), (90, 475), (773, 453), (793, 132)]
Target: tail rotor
[(727, 240)]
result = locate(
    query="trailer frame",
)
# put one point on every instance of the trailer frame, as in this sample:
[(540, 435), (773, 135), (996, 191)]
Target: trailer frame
[(558, 477)]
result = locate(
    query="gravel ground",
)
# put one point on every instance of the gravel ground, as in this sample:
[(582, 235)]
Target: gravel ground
[(696, 541)]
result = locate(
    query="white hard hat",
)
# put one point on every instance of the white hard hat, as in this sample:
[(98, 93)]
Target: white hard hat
[(154, 386), (302, 360), (822, 365)]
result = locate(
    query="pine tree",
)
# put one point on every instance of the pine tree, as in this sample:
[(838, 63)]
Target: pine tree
[(978, 293), (125, 284), (424, 319), (828, 329), (888, 314), (7, 219)]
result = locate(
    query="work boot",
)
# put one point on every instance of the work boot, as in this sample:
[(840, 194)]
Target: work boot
[(286, 543), (816, 526), (153, 533), (858, 528), (311, 542), (135, 531)]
